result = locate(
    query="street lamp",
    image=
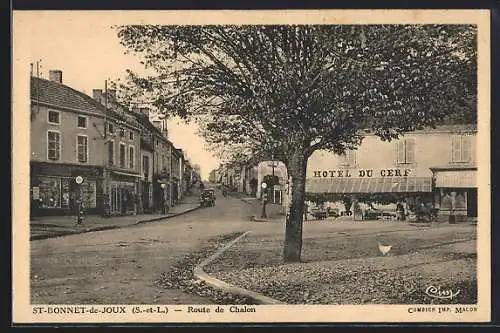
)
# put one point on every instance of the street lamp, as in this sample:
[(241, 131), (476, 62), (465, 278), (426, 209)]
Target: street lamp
[(264, 200), (163, 185)]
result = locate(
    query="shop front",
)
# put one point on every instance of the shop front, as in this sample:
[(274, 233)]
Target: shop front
[(54, 190), (455, 193), (161, 194), (385, 191), (122, 192)]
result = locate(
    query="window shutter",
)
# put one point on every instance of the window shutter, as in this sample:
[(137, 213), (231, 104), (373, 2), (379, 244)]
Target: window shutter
[(455, 150), (410, 151), (400, 151), (466, 149)]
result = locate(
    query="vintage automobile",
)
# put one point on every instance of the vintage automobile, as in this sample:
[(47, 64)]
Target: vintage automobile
[(207, 198)]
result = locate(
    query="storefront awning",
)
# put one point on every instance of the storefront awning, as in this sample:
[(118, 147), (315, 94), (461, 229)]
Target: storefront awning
[(120, 173), (369, 185)]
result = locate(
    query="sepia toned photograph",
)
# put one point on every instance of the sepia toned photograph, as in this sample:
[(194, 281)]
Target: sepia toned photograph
[(239, 166)]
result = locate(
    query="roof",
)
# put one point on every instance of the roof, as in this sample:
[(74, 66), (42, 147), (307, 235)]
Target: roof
[(60, 95)]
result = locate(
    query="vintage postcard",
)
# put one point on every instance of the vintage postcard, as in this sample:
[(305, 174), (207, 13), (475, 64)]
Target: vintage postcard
[(251, 166)]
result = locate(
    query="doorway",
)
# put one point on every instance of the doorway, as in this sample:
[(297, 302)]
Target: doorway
[(472, 202)]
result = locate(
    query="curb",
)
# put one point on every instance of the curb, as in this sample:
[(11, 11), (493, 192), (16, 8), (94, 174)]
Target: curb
[(200, 274), (109, 227), (167, 216)]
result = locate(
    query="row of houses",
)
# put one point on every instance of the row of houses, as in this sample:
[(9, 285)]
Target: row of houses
[(436, 167), (95, 151)]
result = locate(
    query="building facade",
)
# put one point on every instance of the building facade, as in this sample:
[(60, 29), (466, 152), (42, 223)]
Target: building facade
[(123, 150), (95, 153), (434, 167), (66, 142)]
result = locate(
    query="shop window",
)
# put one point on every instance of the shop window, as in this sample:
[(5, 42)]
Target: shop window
[(82, 148), (111, 152), (460, 201), (446, 201), (50, 192), (54, 117), (122, 155), (406, 151), (461, 149), (81, 122), (131, 157), (53, 145)]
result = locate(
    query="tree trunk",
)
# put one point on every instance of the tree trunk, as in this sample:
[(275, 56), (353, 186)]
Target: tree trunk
[(293, 232)]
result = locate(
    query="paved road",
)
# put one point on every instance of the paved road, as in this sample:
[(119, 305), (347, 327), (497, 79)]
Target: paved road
[(119, 266)]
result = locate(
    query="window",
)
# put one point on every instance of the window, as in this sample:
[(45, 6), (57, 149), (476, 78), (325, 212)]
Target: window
[(461, 149), (53, 145), (111, 152), (54, 117), (406, 151), (82, 148), (82, 122), (349, 158), (111, 129), (145, 167), (131, 157), (122, 155), (131, 135), (50, 192)]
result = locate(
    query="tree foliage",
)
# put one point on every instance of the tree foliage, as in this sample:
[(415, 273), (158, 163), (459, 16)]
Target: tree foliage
[(296, 89)]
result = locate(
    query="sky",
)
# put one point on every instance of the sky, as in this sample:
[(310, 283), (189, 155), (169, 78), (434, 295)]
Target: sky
[(88, 52)]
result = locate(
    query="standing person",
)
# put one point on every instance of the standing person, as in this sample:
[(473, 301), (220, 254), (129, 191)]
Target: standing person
[(306, 210), (400, 211), (253, 186)]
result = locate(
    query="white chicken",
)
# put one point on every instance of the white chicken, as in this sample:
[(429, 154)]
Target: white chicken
[(384, 249)]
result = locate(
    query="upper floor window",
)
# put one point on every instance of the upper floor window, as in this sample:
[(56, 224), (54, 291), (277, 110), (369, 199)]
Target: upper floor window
[(111, 152), (131, 135), (348, 158), (54, 117), (131, 157), (53, 145), (461, 149), (82, 148), (145, 166), (122, 155), (111, 128), (81, 122), (406, 151)]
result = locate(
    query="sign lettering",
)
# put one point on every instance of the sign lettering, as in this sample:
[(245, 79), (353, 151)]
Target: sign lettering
[(361, 173)]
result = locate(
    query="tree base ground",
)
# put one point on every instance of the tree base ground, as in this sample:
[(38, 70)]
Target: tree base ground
[(346, 266)]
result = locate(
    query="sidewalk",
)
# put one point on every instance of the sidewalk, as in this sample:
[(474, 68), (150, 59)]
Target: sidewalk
[(275, 212), (54, 226)]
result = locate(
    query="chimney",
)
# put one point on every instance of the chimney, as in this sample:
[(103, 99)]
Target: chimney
[(55, 76), (97, 94)]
